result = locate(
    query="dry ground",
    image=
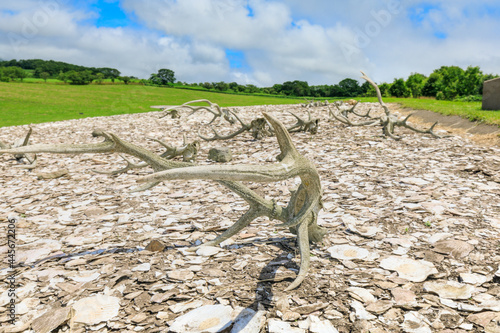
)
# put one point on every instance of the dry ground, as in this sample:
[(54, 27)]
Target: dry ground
[(434, 201)]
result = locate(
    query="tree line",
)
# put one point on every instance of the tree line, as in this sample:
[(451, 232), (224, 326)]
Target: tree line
[(446, 82), (68, 73)]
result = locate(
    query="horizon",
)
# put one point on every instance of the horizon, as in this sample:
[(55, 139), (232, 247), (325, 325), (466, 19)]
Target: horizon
[(256, 42)]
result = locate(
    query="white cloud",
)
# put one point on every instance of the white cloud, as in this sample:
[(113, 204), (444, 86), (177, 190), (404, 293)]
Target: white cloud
[(318, 41)]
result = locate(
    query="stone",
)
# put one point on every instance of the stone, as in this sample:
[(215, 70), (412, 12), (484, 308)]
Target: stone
[(51, 319), (349, 252), (208, 251), (404, 298), (247, 320), (53, 175), (278, 326), (414, 322), (155, 246), (96, 309), (491, 94), (321, 326), (409, 269), (449, 289), (220, 154), (456, 248), (208, 318), (145, 267), (379, 307)]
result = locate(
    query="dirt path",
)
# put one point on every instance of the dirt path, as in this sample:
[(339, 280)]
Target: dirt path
[(478, 132)]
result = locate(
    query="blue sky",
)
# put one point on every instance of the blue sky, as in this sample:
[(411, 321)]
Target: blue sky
[(260, 42)]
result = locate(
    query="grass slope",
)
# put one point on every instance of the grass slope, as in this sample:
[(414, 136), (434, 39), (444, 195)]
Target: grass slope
[(25, 103)]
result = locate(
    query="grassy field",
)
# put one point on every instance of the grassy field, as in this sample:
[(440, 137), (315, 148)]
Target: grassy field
[(25, 103)]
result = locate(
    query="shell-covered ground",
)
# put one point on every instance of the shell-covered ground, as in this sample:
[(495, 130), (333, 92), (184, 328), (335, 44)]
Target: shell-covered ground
[(412, 246)]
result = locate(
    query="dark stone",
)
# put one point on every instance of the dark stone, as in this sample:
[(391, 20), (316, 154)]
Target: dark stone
[(491, 94), (220, 154)]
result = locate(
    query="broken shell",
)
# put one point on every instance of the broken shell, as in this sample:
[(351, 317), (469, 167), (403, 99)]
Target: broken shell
[(449, 289), (96, 309), (409, 269)]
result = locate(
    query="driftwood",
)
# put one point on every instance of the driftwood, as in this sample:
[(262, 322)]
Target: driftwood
[(311, 125), (213, 108), (300, 215), (259, 128), (31, 159), (388, 121), (313, 103), (188, 151)]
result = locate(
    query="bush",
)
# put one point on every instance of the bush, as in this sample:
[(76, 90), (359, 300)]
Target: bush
[(469, 98), (440, 96)]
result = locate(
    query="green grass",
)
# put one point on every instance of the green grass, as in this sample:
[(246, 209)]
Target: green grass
[(469, 110), (25, 103), (36, 102)]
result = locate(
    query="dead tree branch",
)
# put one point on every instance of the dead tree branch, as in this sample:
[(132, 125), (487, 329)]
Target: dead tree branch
[(213, 108), (259, 128), (388, 120), (300, 215), (311, 125), (31, 159)]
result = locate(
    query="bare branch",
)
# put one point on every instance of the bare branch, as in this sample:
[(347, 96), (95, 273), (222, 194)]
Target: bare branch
[(213, 108), (311, 125)]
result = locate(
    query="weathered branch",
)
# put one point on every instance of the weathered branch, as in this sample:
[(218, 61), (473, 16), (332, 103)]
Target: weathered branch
[(32, 160), (343, 117), (259, 128), (300, 215), (311, 125), (213, 108), (388, 121)]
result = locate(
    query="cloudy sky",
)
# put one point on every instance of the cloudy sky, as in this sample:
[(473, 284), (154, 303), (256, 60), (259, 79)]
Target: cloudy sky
[(261, 42)]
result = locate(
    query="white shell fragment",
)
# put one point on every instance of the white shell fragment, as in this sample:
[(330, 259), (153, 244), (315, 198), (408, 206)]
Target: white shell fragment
[(409, 269), (96, 309), (449, 289), (145, 267), (208, 251), (349, 252), (208, 318), (415, 323)]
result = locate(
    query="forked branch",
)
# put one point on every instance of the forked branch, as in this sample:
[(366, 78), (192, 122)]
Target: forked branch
[(310, 125), (388, 120), (259, 128), (31, 159), (213, 108), (300, 215)]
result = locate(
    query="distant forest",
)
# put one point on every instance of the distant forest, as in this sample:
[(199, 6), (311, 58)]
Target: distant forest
[(447, 82)]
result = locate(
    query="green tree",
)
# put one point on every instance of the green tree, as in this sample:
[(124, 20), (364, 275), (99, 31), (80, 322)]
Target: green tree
[(221, 86), (62, 76), (384, 89), (432, 85), (44, 76), (399, 89), (415, 83), (350, 87), (125, 79), (20, 73), (79, 78), (471, 82), (163, 77), (99, 77)]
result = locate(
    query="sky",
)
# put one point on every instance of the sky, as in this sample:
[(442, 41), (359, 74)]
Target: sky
[(261, 42)]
